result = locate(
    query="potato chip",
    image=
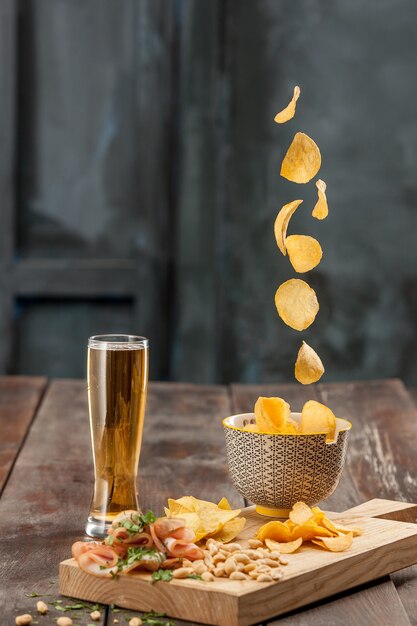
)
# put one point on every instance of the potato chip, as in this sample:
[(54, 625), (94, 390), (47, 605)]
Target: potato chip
[(304, 252), (224, 504), (230, 530), (308, 367), (321, 209), (291, 428), (288, 113), (281, 223), (309, 531), (205, 518), (335, 544), (274, 530), (271, 414), (300, 513), (296, 303), (285, 548), (251, 428), (318, 418), (302, 161)]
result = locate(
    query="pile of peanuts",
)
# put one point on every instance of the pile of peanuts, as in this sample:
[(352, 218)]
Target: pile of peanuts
[(231, 560)]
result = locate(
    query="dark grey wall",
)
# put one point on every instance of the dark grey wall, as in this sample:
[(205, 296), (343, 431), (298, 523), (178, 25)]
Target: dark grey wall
[(145, 136)]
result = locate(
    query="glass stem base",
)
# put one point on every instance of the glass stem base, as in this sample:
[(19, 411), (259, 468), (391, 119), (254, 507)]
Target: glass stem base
[(97, 527)]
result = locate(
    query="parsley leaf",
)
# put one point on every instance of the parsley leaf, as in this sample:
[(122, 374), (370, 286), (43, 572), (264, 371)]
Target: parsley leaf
[(162, 574)]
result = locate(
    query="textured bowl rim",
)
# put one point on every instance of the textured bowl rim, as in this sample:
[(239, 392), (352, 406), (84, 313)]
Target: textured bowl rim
[(242, 430)]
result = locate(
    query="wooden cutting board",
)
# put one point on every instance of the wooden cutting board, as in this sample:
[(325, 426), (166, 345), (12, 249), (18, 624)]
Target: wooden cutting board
[(389, 543)]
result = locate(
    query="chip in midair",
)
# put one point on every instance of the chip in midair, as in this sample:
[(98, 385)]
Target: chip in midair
[(282, 221), (308, 367), (288, 113), (296, 303), (271, 414), (321, 208), (302, 161), (318, 418), (335, 544), (304, 252)]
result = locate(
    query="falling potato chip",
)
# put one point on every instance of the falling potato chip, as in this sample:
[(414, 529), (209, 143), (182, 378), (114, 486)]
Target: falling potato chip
[(230, 530), (321, 209), (304, 252), (302, 161), (318, 418), (277, 531), (288, 113), (296, 303), (308, 367), (335, 544), (285, 548), (251, 428), (282, 221), (224, 504), (271, 414), (300, 513)]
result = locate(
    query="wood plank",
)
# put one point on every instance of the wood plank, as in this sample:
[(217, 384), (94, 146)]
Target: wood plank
[(8, 21), (19, 399), (201, 153), (310, 574), (51, 483)]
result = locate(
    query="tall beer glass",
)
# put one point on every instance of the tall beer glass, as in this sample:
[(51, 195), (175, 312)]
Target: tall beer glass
[(117, 376)]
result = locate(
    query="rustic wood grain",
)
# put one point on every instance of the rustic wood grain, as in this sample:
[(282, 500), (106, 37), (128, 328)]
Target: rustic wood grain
[(19, 399), (8, 64)]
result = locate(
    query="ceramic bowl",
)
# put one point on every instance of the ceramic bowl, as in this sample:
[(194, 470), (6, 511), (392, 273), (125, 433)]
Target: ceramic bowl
[(274, 471)]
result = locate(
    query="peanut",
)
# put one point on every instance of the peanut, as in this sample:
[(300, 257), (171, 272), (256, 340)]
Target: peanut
[(283, 561), (255, 543), (274, 555), (263, 569), (187, 563), (217, 558), (230, 566), (135, 621), (237, 576), (270, 562), (239, 567), (252, 554), (95, 616), (42, 608), (64, 621), (182, 572), (231, 547), (200, 568), (207, 577), (277, 574), (219, 572), (264, 578), (249, 567), (241, 558), (23, 620)]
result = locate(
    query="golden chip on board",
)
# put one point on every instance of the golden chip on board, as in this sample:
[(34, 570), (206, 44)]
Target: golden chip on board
[(321, 209), (335, 544), (288, 113), (318, 418), (302, 161), (296, 303), (308, 367), (285, 548), (282, 221), (304, 252)]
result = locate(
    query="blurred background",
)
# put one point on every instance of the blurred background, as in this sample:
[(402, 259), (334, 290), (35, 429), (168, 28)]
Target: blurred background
[(139, 183)]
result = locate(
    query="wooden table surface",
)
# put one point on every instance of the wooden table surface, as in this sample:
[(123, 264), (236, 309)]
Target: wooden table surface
[(46, 479)]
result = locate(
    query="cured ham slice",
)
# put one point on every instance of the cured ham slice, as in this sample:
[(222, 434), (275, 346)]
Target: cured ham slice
[(177, 548)]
